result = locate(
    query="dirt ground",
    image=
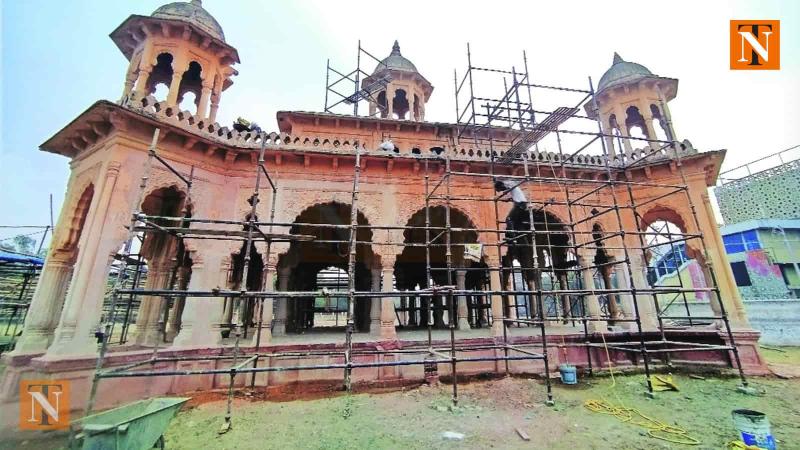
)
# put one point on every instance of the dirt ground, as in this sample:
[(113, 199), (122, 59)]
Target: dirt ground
[(489, 415), (490, 412)]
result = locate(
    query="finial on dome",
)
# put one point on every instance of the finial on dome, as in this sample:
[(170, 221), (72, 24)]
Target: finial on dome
[(617, 58), (396, 48)]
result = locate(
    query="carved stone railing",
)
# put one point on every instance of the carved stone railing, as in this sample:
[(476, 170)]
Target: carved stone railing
[(248, 140)]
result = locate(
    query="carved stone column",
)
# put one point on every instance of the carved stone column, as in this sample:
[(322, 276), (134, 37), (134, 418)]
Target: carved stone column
[(387, 304), (281, 306), (375, 304), (148, 329), (83, 305), (141, 81), (265, 316), (200, 324), (463, 310), (174, 87), (623, 129), (48, 299), (591, 302), (647, 308), (563, 284), (202, 105), (174, 323), (496, 299)]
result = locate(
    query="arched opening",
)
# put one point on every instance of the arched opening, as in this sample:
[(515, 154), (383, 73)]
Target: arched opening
[(661, 129), (312, 262), (437, 150), (161, 77), (547, 251), (635, 124), (400, 104), (411, 269), (670, 263), (167, 265), (239, 311), (191, 82)]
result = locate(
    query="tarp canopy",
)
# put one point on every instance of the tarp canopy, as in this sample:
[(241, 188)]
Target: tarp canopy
[(9, 257)]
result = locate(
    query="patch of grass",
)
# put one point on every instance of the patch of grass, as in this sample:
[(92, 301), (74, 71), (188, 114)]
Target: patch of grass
[(488, 414)]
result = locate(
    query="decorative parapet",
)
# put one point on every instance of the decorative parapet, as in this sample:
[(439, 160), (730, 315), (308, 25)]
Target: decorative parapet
[(249, 140)]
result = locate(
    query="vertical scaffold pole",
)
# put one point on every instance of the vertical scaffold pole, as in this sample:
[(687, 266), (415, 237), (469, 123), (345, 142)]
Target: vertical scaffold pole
[(351, 269)]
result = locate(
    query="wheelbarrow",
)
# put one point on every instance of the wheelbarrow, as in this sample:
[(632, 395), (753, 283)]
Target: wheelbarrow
[(136, 426)]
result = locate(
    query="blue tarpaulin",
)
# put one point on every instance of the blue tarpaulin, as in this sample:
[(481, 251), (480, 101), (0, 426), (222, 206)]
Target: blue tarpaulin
[(8, 257)]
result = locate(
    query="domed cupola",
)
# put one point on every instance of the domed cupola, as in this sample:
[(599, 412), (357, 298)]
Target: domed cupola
[(631, 100), (182, 47), (406, 90), (192, 13)]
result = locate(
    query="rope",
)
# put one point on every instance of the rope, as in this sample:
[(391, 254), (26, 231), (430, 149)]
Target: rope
[(655, 428)]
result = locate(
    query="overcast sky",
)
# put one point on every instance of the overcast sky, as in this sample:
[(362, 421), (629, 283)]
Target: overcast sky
[(57, 60)]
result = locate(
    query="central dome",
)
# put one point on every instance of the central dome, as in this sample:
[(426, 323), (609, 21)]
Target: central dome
[(193, 13), (396, 61), (622, 71)]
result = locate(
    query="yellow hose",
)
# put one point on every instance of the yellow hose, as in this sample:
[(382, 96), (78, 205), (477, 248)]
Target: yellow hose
[(655, 428)]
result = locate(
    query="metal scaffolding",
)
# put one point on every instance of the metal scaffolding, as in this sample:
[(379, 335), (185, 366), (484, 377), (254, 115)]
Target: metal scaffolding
[(510, 130)]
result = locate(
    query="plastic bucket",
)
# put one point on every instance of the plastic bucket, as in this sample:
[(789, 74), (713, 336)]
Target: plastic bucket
[(569, 375), (754, 428)]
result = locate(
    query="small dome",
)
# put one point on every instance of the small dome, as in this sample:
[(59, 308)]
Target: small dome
[(396, 61), (621, 72), (191, 12)]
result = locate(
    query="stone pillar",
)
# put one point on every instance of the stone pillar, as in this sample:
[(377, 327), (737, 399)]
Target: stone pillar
[(212, 113), (148, 329), (411, 104), (375, 304), (609, 139), (141, 81), (200, 324), (626, 299), (497, 301), (591, 302), (613, 310), (563, 284), (647, 308), (623, 129), (174, 323), (202, 105), (390, 103), (48, 299), (180, 66), (388, 331), (130, 79), (650, 129), (463, 310), (82, 310), (266, 315), (281, 305)]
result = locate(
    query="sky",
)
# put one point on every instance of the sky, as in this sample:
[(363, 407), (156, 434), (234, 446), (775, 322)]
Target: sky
[(57, 59)]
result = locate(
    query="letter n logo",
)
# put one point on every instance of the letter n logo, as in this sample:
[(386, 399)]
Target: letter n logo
[(755, 44), (43, 404)]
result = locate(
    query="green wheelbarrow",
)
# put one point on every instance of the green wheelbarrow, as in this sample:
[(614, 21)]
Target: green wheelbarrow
[(136, 426)]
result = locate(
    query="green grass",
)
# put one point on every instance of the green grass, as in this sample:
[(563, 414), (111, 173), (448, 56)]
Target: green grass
[(488, 414)]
